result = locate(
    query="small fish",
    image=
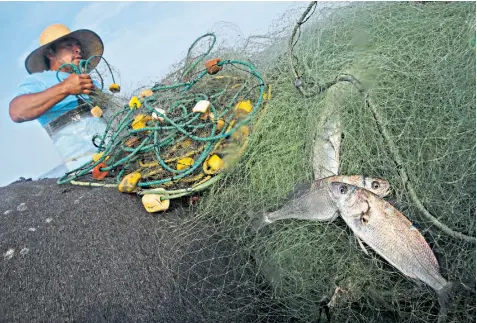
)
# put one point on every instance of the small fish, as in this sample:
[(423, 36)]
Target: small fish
[(392, 236), (314, 202), (326, 146)]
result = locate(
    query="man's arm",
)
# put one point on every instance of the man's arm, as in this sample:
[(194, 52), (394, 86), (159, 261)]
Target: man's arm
[(28, 107)]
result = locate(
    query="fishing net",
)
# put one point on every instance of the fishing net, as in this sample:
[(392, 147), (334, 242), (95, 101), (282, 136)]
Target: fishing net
[(401, 77), (178, 133)]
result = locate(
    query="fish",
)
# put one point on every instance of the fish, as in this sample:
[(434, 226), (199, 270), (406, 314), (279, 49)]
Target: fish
[(313, 201), (326, 147), (391, 235)]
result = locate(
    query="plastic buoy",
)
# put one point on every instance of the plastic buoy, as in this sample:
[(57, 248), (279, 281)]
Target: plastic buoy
[(97, 112), (156, 115), (115, 88), (131, 142), (220, 124), (98, 174), (134, 103), (140, 121), (215, 163), (144, 94), (129, 182), (184, 163), (153, 203), (201, 106), (212, 67), (243, 108), (97, 156)]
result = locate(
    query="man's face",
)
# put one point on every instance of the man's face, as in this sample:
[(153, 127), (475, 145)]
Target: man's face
[(68, 51)]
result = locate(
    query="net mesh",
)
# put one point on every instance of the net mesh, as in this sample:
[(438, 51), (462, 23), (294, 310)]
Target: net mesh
[(417, 62)]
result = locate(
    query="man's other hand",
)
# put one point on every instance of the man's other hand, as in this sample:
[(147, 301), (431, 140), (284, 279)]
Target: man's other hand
[(78, 84)]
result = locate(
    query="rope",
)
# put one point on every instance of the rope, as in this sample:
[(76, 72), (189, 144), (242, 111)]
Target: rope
[(202, 56), (82, 68), (291, 45), (158, 143)]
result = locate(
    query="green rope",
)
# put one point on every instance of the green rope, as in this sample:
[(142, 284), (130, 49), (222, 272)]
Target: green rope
[(157, 139), (202, 56), (82, 68)]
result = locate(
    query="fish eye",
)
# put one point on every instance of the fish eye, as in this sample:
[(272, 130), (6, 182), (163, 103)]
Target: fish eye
[(343, 189), (364, 218), (375, 185)]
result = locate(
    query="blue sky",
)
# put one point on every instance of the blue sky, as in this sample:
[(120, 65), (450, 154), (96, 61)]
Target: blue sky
[(142, 40)]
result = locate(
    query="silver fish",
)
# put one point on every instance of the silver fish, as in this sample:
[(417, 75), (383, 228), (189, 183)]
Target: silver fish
[(388, 232), (314, 202), (326, 147)]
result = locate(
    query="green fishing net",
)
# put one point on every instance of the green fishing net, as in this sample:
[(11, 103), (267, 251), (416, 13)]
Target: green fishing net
[(415, 69)]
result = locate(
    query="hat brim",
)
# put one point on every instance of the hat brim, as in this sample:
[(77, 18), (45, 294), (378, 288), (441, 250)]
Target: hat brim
[(91, 45)]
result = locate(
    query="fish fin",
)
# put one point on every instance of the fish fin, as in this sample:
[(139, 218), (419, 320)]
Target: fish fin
[(314, 204), (362, 245), (299, 190), (445, 297)]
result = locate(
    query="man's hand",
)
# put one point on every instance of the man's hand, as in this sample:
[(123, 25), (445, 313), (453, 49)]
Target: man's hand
[(78, 84), (28, 107)]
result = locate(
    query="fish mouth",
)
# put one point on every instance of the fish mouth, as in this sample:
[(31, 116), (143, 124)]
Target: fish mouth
[(387, 192)]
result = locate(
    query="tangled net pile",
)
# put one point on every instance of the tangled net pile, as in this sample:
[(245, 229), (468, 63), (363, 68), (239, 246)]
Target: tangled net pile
[(178, 148), (416, 64)]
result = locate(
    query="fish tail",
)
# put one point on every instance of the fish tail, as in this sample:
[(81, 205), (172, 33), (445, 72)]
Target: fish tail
[(445, 297)]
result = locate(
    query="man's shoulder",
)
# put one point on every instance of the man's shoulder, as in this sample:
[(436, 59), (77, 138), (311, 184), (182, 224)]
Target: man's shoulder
[(37, 82), (48, 76), (39, 77)]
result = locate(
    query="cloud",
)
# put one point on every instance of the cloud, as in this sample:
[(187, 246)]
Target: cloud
[(95, 15)]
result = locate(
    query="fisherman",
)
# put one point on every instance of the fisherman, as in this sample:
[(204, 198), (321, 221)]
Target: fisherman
[(58, 104)]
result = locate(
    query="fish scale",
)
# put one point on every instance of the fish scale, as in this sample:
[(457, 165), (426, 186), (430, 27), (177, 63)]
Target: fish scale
[(389, 233)]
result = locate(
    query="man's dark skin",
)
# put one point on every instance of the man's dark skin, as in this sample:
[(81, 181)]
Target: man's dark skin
[(29, 107)]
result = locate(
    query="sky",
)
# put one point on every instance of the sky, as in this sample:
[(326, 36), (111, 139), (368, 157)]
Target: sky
[(142, 41)]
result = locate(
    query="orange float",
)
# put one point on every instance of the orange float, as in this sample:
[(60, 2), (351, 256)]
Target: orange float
[(98, 174), (212, 67)]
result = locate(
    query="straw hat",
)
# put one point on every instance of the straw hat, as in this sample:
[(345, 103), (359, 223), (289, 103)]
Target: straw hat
[(91, 45)]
